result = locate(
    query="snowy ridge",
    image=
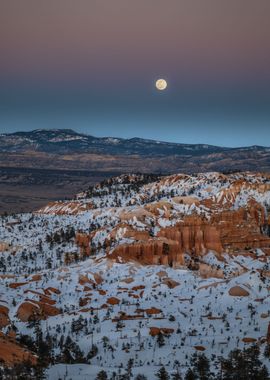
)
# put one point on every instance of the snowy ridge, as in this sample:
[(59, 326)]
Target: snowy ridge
[(66, 268)]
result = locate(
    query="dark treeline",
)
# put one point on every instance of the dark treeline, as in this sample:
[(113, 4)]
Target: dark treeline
[(239, 365)]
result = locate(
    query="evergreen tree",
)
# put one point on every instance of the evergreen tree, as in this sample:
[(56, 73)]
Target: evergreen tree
[(190, 375), (242, 365), (162, 374), (102, 375), (267, 351), (234, 366), (201, 366), (129, 366), (93, 352), (176, 376), (263, 373), (160, 339)]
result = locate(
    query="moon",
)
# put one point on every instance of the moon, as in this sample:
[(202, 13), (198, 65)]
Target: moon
[(161, 84)]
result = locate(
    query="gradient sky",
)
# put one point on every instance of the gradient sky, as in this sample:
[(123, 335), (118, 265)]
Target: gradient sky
[(91, 65)]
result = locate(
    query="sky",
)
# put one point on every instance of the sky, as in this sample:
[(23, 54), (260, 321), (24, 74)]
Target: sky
[(91, 65)]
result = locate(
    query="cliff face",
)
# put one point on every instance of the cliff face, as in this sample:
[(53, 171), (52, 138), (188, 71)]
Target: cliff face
[(154, 251), (242, 229), (83, 241), (221, 216), (225, 231), (194, 235)]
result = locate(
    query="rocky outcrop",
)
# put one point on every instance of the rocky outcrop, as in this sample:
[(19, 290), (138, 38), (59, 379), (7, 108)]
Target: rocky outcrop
[(4, 246), (208, 271), (170, 283), (200, 348), (65, 208), (123, 230), (158, 208), (113, 301), (4, 318), (12, 353), (238, 291), (154, 331), (242, 228), (36, 310), (249, 340), (15, 285), (194, 235), (83, 241), (154, 251), (225, 231), (48, 291), (28, 311)]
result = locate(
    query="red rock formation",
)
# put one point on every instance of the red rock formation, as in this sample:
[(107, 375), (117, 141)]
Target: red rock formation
[(83, 279), (153, 310), (15, 285), (155, 208), (241, 229), (4, 318), (50, 290), (226, 230), (199, 348), (126, 317), (83, 301), (4, 246), (31, 309), (65, 208), (154, 331), (154, 251), (12, 353), (208, 271), (83, 241), (36, 277), (42, 297), (138, 287), (170, 283), (237, 291), (113, 301), (98, 278), (127, 232), (249, 340), (27, 311), (194, 235)]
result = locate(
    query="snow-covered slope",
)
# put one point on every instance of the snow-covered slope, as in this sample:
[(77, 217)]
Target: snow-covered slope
[(185, 257)]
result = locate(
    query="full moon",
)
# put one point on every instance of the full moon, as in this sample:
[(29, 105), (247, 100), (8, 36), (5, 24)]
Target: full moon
[(161, 84)]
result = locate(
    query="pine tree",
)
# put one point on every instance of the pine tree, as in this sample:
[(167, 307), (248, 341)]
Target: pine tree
[(129, 366), (234, 366), (140, 377), (162, 374), (201, 366), (263, 373), (176, 376), (160, 339), (93, 352), (190, 375), (267, 351), (242, 365), (102, 375), (253, 363)]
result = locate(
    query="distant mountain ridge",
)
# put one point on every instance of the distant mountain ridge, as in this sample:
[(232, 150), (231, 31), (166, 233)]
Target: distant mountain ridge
[(67, 141), (40, 166)]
